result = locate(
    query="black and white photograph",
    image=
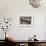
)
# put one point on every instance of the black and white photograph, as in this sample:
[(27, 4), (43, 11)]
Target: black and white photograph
[(25, 20)]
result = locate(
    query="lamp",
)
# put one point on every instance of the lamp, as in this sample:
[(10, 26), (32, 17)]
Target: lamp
[(35, 3)]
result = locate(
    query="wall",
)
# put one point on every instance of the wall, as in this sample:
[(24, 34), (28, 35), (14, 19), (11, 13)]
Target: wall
[(45, 29), (14, 8), (22, 33)]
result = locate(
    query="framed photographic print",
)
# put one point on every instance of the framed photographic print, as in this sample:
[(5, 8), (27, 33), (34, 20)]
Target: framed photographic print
[(25, 21)]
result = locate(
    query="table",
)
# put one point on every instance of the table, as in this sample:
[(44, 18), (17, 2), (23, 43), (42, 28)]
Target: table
[(26, 42)]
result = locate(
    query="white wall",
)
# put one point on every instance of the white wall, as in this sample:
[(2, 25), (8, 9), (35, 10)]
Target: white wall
[(14, 8), (45, 29), (22, 33)]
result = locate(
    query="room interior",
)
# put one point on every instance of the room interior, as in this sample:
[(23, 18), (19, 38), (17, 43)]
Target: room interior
[(22, 24)]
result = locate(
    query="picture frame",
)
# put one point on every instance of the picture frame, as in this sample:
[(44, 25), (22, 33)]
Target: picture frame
[(25, 21)]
